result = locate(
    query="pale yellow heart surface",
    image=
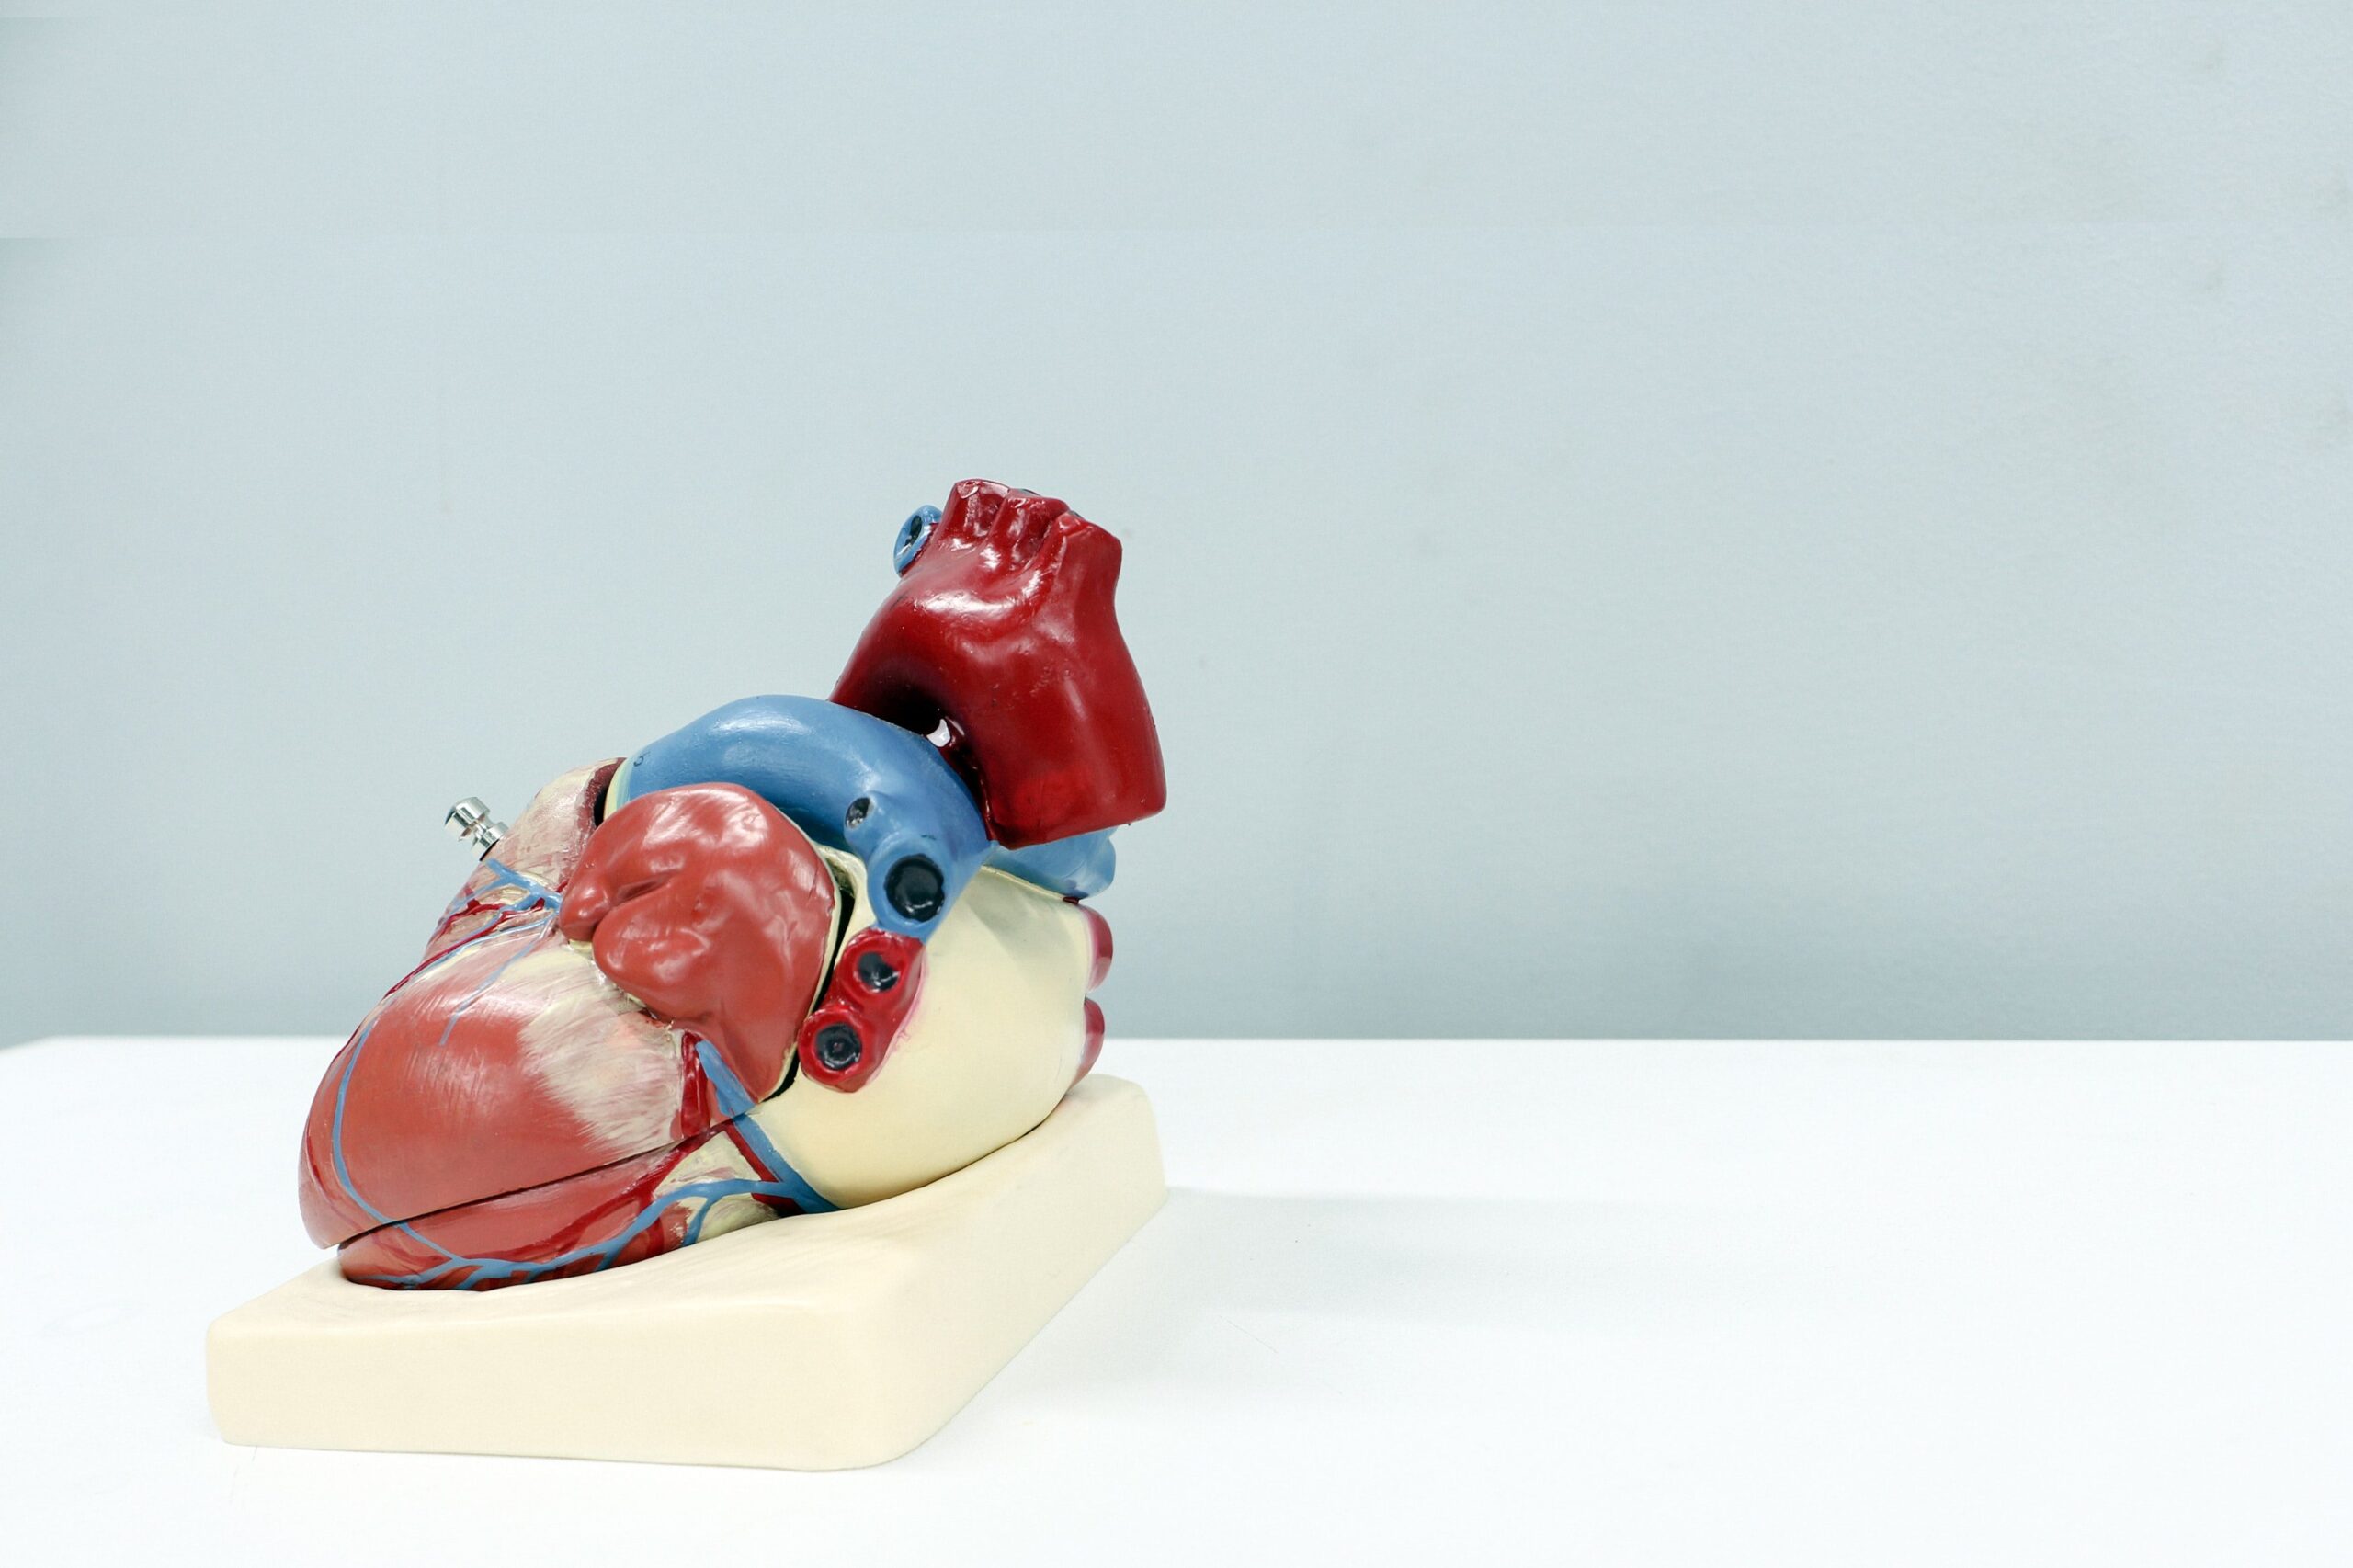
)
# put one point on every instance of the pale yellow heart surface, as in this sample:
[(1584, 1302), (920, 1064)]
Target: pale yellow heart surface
[(988, 1051)]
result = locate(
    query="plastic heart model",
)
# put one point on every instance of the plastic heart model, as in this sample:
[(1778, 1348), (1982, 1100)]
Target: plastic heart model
[(796, 956)]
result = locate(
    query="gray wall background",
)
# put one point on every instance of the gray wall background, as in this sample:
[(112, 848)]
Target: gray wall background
[(1682, 519)]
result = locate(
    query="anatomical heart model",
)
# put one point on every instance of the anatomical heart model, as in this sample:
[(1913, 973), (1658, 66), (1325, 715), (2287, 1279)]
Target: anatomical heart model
[(800, 955)]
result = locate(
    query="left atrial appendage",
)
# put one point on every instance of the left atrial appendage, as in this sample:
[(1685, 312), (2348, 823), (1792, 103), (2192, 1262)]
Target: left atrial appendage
[(798, 954)]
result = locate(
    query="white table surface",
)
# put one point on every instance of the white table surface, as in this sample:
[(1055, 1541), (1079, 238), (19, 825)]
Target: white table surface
[(1612, 1302)]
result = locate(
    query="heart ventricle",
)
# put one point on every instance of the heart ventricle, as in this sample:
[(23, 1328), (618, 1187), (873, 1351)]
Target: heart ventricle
[(507, 1113)]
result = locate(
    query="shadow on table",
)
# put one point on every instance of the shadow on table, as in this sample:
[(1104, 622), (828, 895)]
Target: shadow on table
[(1320, 1271)]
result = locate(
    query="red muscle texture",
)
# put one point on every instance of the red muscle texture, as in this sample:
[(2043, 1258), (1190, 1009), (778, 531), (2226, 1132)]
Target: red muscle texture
[(1004, 627), (509, 1060), (705, 903)]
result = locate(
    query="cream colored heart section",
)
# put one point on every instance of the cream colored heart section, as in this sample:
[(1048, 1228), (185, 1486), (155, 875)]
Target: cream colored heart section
[(987, 1054)]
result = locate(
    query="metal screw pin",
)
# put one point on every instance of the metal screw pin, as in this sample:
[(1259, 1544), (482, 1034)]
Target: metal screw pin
[(470, 820)]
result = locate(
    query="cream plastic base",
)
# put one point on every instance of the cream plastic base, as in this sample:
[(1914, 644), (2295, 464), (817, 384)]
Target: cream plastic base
[(820, 1342)]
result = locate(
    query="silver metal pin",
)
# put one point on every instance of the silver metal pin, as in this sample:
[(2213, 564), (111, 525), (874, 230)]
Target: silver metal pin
[(470, 820)]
